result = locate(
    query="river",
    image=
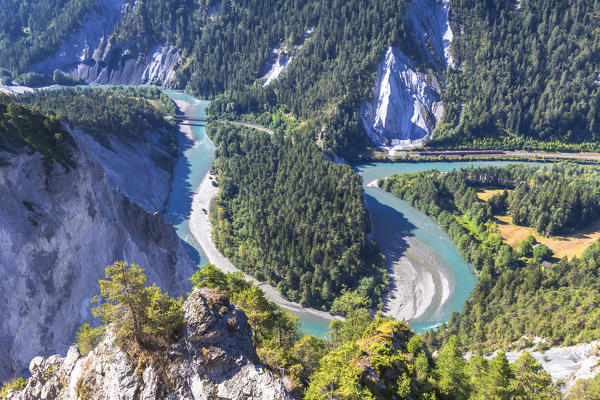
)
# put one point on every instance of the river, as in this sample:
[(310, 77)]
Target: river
[(393, 221), (193, 163)]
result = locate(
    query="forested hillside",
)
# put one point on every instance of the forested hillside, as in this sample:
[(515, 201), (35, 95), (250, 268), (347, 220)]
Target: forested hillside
[(528, 71), (516, 296), (286, 215), (330, 77), (128, 113), (227, 48), (22, 126), (32, 30)]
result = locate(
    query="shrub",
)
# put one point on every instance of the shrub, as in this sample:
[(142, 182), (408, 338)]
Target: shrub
[(88, 338), (15, 384)]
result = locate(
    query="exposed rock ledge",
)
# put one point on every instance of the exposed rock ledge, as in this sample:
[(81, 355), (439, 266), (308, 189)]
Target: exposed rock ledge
[(581, 361), (406, 104), (214, 359)]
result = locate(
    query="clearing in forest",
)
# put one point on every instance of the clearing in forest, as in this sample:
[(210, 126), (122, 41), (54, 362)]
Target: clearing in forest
[(569, 245)]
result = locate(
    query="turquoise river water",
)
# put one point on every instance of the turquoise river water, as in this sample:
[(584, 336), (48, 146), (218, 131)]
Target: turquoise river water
[(392, 218)]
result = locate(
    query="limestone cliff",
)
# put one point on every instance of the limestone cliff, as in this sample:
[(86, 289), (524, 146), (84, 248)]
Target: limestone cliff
[(406, 103), (60, 227), (92, 53), (120, 65), (214, 359)]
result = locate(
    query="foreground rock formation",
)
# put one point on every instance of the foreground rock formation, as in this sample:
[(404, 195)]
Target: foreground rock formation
[(214, 359), (60, 227)]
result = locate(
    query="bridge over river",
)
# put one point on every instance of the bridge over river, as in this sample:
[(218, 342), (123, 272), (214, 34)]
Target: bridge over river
[(187, 118)]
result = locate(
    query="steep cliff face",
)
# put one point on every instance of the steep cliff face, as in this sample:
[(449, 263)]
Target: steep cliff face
[(406, 103), (430, 29), (138, 170), (93, 55), (214, 359), (59, 229), (119, 65)]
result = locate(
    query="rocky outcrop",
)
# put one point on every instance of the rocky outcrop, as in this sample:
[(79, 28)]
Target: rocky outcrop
[(138, 170), (60, 227), (569, 364), (281, 58), (93, 55), (95, 31), (406, 104), (214, 359), (120, 65), (430, 29)]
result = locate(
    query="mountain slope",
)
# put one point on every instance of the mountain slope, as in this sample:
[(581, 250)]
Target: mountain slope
[(61, 224), (528, 70), (520, 73)]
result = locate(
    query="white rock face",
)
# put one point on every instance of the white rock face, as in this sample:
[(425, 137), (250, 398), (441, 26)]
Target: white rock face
[(90, 53), (567, 363), (281, 58), (214, 359), (405, 106), (406, 103), (279, 65), (59, 229), (15, 90), (96, 29), (116, 65), (131, 168), (430, 26)]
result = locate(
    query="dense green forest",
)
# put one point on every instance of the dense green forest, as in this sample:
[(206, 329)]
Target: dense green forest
[(528, 69), (289, 217), (126, 112), (558, 199), (516, 295), (534, 87), (372, 357), (527, 72), (32, 30), (226, 52), (330, 77), (21, 126)]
